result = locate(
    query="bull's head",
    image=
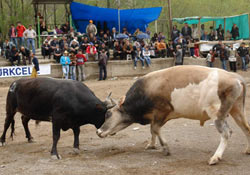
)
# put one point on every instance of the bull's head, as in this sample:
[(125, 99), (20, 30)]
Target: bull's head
[(115, 119)]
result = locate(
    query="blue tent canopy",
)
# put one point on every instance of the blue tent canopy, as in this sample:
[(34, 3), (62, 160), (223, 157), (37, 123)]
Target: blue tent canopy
[(129, 18)]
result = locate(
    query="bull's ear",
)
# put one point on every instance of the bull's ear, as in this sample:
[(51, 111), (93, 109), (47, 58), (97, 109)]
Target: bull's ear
[(99, 108), (121, 101)]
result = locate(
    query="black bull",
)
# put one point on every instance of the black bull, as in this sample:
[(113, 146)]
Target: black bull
[(68, 104)]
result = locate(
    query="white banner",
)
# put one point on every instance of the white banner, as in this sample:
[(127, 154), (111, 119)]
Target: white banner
[(20, 71)]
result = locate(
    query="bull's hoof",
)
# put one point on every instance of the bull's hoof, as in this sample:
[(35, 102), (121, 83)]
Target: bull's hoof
[(214, 160), (2, 144), (149, 147), (56, 157), (76, 151), (31, 140), (166, 152)]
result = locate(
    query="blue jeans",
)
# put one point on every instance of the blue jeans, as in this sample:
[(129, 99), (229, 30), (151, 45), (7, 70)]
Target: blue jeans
[(147, 60), (65, 69), (14, 41), (72, 72), (32, 42), (210, 64), (224, 64), (243, 61), (20, 42), (138, 58)]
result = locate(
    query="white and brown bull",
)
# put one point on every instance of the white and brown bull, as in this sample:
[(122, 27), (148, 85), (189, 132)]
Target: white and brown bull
[(192, 92)]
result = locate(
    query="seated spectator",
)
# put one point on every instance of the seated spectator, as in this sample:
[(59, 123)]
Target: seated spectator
[(7, 46), (66, 48), (14, 56), (228, 35), (235, 32), (72, 34), (138, 56), (62, 42), (170, 51), (161, 36), (162, 48), (72, 66), (81, 59), (148, 31), (57, 53), (46, 50), (137, 44), (124, 31), (74, 46), (43, 28), (113, 34), (65, 28), (96, 43), (65, 62), (127, 50), (84, 44), (101, 34), (58, 31), (53, 44), (48, 39), (107, 41), (196, 48), (25, 55), (117, 50), (154, 38), (91, 51), (146, 56), (102, 63), (103, 46), (137, 32)]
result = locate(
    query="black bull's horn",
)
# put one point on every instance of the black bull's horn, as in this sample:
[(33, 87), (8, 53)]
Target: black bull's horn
[(109, 102)]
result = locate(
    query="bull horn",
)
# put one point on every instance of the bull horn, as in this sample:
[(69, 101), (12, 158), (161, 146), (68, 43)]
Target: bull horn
[(110, 106), (108, 97), (113, 101)]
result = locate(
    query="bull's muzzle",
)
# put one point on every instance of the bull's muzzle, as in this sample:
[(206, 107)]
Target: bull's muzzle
[(99, 132)]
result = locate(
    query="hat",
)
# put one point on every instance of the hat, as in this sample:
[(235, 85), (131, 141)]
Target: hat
[(55, 36), (90, 21), (66, 52), (91, 43)]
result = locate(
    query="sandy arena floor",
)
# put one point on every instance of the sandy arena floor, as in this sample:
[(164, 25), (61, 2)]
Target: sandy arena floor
[(190, 145)]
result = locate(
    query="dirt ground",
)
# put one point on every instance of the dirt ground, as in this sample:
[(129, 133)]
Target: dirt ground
[(191, 146)]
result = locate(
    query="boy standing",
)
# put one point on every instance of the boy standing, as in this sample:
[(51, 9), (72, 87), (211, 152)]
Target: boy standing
[(36, 66), (81, 59)]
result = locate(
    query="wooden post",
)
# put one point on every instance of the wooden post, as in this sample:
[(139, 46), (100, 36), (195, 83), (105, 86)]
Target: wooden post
[(38, 32), (170, 17), (224, 28), (54, 15), (199, 28), (156, 27)]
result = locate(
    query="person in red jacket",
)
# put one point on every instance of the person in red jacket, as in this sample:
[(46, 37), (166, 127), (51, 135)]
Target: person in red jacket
[(91, 51), (20, 30), (80, 60)]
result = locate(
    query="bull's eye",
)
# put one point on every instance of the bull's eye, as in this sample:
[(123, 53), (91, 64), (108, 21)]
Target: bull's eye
[(108, 114)]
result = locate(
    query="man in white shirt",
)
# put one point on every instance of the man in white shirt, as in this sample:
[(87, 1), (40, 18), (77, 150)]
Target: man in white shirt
[(30, 35)]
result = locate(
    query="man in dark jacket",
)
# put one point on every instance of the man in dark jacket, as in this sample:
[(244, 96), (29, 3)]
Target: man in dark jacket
[(102, 63), (220, 33), (46, 49), (175, 33), (14, 56), (186, 31), (235, 32), (243, 52), (25, 55), (223, 57)]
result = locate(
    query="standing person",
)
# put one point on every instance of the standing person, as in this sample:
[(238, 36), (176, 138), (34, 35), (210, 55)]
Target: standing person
[(36, 66), (91, 28), (13, 34), (20, 30), (186, 31), (220, 33), (242, 52), (223, 57), (102, 63), (65, 62), (232, 59), (178, 56), (81, 59), (30, 34), (210, 58), (25, 55), (72, 66), (175, 33), (235, 32)]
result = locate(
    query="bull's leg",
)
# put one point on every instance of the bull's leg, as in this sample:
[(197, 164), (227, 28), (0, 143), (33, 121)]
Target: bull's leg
[(225, 131), (56, 136), (240, 119), (25, 121), (8, 120), (151, 145), (76, 139)]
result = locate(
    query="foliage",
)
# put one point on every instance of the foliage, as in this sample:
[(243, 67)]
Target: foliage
[(11, 10)]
